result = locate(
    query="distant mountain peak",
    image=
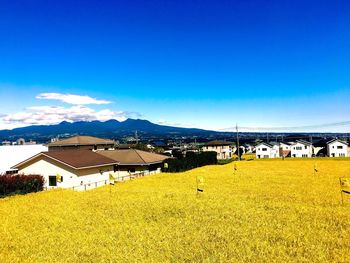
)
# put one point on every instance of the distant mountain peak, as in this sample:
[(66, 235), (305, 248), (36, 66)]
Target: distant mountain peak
[(108, 129)]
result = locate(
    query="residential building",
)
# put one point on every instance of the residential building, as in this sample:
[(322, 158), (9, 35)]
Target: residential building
[(285, 149), (302, 149), (223, 149), (86, 169), (131, 161), (81, 143), (337, 148), (267, 150), (77, 168)]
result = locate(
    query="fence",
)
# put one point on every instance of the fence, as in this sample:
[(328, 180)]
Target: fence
[(130, 176)]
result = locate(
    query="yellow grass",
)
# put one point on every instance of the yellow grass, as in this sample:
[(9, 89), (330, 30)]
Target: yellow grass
[(270, 211)]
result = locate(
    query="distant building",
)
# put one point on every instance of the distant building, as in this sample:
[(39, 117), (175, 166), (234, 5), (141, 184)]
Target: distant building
[(337, 148), (285, 149), (302, 149), (223, 149), (267, 150), (82, 143), (6, 143)]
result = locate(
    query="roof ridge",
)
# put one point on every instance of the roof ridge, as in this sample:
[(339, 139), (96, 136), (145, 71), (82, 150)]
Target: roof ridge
[(136, 150)]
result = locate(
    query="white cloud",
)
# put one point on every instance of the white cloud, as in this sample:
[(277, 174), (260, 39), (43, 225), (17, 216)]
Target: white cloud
[(71, 98), (175, 124), (43, 115)]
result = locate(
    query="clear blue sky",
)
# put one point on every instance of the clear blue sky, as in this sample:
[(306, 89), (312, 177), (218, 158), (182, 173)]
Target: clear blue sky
[(207, 64)]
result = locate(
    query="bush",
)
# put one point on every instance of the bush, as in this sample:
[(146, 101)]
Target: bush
[(20, 184), (190, 161), (226, 161)]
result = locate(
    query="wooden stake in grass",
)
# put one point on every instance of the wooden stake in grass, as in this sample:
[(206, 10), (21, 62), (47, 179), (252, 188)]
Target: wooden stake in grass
[(200, 184), (315, 169), (234, 169), (344, 187)]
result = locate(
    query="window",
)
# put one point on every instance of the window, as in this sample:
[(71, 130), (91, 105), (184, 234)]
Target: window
[(52, 180), (266, 156), (132, 170), (341, 154), (305, 147), (298, 148), (264, 149), (339, 147)]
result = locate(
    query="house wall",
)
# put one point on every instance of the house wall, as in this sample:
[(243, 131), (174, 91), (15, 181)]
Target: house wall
[(333, 151), (223, 151), (264, 151), (71, 177), (304, 151)]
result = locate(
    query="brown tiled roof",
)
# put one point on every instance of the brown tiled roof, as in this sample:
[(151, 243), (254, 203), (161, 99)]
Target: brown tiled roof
[(81, 140), (133, 156), (218, 143), (77, 159)]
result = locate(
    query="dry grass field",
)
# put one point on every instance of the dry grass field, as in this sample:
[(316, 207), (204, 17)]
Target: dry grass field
[(269, 211)]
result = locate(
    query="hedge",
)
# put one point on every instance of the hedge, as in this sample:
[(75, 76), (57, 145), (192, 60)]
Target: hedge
[(190, 161), (20, 184)]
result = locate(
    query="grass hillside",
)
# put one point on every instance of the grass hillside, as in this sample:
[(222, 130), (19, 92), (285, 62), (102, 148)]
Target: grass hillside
[(269, 211)]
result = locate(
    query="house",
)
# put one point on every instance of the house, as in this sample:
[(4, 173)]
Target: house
[(223, 149), (337, 148), (79, 169), (249, 148), (267, 150), (82, 142), (285, 149), (302, 149), (131, 161), (13, 154)]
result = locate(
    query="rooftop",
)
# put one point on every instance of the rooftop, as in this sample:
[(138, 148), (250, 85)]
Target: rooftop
[(133, 156), (76, 159), (218, 143), (81, 140)]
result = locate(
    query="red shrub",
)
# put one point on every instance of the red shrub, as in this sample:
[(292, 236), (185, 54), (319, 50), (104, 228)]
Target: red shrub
[(20, 184)]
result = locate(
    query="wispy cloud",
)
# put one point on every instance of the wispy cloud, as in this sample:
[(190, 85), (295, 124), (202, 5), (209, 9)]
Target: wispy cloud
[(55, 114), (176, 124), (71, 98)]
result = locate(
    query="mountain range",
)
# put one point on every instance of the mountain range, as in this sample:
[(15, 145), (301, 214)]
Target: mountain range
[(108, 129)]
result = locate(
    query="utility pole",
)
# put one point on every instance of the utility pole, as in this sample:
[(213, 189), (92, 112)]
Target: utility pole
[(238, 150), (136, 138)]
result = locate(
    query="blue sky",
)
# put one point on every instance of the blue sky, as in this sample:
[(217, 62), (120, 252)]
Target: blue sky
[(207, 64)]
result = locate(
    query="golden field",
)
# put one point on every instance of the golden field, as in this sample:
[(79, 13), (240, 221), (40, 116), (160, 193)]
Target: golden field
[(269, 211)]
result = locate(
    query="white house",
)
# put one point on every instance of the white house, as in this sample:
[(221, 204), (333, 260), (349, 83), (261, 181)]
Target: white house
[(79, 169), (267, 150), (285, 149), (13, 154), (223, 149), (302, 149), (337, 148), (86, 169)]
